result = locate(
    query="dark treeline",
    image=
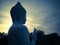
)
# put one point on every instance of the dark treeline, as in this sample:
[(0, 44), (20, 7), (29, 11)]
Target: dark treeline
[(3, 39), (42, 39), (50, 39)]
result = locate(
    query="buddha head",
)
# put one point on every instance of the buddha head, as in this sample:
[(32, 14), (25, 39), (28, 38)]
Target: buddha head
[(18, 13)]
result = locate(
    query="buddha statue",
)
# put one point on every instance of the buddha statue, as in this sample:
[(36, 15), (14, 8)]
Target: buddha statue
[(18, 33)]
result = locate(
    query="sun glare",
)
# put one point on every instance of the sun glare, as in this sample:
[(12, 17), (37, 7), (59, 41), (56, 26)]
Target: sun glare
[(7, 21)]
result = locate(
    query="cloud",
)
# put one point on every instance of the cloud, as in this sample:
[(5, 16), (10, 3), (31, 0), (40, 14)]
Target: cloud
[(44, 14), (51, 22), (1, 17)]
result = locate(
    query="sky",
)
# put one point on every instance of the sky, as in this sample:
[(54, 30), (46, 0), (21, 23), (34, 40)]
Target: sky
[(41, 14)]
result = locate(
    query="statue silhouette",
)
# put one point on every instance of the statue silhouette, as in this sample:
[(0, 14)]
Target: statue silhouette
[(18, 33), (34, 34)]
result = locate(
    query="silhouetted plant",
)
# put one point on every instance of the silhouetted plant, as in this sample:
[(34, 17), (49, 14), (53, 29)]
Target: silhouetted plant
[(3, 39)]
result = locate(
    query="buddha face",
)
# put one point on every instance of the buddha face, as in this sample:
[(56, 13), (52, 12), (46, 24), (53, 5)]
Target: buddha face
[(23, 20)]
